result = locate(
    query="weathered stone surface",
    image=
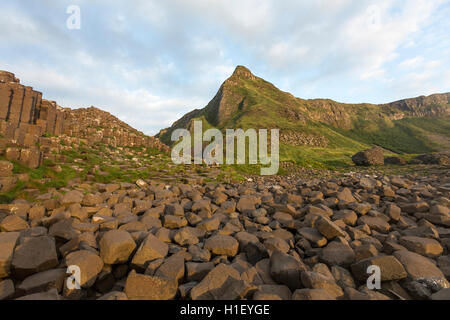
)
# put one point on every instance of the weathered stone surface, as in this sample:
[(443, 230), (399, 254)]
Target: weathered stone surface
[(346, 195), (13, 223), (114, 295), (369, 157), (313, 236), (417, 266), (73, 196), (116, 247), (8, 242), (337, 254), (34, 255), (172, 268), (196, 271), (143, 287), (222, 244), (221, 283), (174, 222), (443, 294), (312, 294), (285, 269), (395, 161), (89, 263), (390, 268), (185, 236), (6, 289), (150, 249), (43, 281), (49, 295), (6, 168), (315, 280), (375, 223), (329, 229), (423, 246)]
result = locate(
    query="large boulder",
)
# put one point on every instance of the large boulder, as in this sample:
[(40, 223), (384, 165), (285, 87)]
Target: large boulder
[(441, 158), (285, 269), (8, 242), (116, 246), (369, 157), (150, 249), (89, 263), (417, 266), (143, 287), (395, 161), (222, 245), (34, 255), (221, 283)]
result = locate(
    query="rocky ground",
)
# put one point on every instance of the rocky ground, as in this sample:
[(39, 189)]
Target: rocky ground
[(284, 237)]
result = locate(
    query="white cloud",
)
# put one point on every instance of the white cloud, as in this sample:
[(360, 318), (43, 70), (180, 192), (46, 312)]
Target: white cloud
[(411, 63), (151, 61)]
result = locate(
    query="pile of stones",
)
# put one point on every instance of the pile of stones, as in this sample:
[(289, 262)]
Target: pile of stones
[(304, 239)]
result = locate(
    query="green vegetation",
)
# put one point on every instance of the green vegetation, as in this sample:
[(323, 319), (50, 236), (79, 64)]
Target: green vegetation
[(245, 101)]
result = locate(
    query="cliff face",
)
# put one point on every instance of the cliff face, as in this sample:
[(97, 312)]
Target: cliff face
[(28, 122), (435, 105)]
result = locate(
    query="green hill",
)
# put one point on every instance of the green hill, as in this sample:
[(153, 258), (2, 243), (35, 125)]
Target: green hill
[(323, 132)]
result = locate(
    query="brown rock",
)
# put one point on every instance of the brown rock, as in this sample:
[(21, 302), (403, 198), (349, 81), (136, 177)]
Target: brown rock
[(423, 246), (73, 196), (369, 157), (172, 268), (150, 249), (143, 287), (285, 269), (89, 263), (393, 211), (375, 223), (312, 294), (174, 222), (221, 283), (196, 271), (6, 168), (313, 236), (416, 265), (315, 280), (8, 242), (13, 223), (390, 268), (7, 290), (222, 245), (346, 195), (34, 255), (116, 247), (43, 281), (329, 229), (338, 254), (272, 292)]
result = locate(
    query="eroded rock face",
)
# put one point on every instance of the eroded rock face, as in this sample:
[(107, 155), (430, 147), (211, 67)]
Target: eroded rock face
[(33, 127)]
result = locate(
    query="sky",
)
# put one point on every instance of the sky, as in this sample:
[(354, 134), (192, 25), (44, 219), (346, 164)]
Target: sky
[(148, 62)]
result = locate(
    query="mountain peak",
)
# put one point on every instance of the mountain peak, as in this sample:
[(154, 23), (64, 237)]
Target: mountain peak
[(243, 73)]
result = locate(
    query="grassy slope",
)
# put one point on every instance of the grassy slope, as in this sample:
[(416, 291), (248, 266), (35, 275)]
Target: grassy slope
[(264, 106)]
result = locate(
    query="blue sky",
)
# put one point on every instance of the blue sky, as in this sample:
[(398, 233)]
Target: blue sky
[(149, 62)]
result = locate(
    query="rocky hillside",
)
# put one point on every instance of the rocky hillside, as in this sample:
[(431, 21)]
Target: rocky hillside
[(44, 145), (28, 123), (245, 101)]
